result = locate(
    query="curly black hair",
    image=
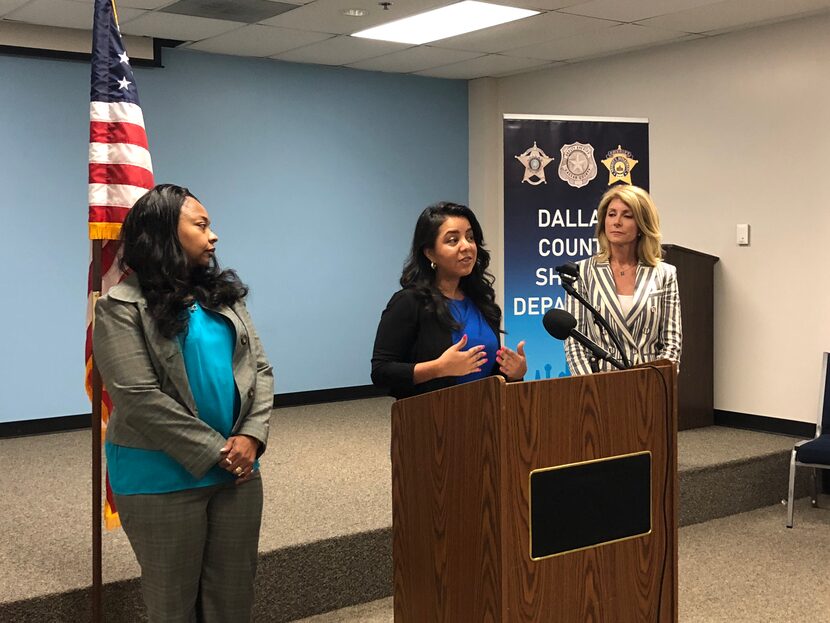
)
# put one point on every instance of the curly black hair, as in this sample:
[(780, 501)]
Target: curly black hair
[(418, 275), (151, 249)]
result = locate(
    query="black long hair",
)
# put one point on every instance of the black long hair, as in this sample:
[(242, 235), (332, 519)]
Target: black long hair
[(420, 276), (151, 249)]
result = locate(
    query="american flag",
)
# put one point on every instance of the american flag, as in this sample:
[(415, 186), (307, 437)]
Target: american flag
[(120, 170)]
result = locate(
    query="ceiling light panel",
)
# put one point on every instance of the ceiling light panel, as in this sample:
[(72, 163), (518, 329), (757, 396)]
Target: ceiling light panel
[(328, 15), (449, 21), (536, 29)]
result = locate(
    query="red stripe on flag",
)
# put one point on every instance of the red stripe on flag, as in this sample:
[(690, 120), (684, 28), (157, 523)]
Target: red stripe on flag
[(127, 174), (121, 132), (107, 214)]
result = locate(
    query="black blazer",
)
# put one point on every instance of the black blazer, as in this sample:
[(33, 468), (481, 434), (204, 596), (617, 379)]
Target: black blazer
[(409, 334)]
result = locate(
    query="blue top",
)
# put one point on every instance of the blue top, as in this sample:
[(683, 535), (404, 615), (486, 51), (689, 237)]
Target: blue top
[(207, 348), (478, 332)]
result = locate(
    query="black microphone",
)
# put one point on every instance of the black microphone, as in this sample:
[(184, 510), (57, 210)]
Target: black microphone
[(562, 325), (559, 323), (569, 271)]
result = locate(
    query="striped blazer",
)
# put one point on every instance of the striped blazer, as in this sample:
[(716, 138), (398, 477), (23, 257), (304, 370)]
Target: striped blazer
[(651, 330)]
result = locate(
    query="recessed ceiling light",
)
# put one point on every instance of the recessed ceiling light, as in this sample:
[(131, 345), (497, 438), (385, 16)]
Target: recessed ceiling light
[(355, 12), (448, 21)]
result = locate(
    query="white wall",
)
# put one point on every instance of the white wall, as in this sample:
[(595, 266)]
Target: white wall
[(738, 134)]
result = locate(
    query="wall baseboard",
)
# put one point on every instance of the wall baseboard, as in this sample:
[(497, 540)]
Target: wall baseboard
[(61, 424), (65, 423), (335, 394), (764, 424)]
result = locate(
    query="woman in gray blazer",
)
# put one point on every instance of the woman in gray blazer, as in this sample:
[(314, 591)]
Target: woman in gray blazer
[(629, 284), (192, 393)]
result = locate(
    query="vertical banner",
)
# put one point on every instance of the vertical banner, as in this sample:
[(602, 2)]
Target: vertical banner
[(555, 171)]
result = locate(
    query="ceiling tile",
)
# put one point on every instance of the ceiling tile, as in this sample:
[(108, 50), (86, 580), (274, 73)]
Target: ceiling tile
[(616, 38), (142, 4), (180, 27), (733, 14), (633, 10), (10, 5), (37, 36), (490, 65), (340, 51), (136, 4), (64, 13), (256, 40), (248, 11), (327, 15), (524, 70), (535, 29), (414, 59)]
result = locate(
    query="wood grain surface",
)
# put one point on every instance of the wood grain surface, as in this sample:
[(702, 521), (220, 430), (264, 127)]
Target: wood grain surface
[(461, 460)]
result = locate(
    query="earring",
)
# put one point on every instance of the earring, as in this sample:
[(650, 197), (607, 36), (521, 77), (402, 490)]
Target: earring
[(432, 265)]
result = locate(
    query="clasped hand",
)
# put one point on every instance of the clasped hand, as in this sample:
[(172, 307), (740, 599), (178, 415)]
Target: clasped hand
[(238, 457)]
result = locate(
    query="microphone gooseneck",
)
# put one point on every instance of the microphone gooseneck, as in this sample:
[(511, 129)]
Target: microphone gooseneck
[(562, 325), (569, 275)]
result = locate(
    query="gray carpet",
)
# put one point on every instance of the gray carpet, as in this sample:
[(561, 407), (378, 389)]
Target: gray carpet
[(724, 471), (326, 474), (326, 528), (747, 568)]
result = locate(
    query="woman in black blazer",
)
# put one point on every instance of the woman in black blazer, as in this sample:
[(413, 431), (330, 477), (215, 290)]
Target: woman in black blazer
[(442, 327)]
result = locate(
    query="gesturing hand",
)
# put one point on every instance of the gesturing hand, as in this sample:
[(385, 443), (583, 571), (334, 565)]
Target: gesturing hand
[(458, 362), (238, 456), (512, 363)]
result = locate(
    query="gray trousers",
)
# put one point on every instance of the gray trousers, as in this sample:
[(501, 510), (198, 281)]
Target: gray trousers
[(197, 550)]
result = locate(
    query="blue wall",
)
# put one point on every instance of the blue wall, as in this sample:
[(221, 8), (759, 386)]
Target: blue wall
[(313, 177)]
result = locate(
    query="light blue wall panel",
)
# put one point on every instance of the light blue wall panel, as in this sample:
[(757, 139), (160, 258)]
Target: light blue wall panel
[(313, 176)]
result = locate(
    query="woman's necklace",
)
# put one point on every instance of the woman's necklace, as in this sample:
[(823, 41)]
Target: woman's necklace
[(621, 269)]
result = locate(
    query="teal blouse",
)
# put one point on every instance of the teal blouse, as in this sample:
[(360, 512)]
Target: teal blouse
[(207, 347)]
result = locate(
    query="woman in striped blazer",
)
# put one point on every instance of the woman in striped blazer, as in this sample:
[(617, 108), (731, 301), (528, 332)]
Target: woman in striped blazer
[(629, 284)]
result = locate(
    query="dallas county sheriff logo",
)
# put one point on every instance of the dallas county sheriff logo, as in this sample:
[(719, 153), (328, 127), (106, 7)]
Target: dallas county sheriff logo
[(534, 161), (578, 166), (619, 164)]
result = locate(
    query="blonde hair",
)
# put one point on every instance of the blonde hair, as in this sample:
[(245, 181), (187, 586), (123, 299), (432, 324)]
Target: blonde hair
[(649, 251)]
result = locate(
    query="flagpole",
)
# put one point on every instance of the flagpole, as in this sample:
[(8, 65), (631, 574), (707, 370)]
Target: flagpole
[(97, 610)]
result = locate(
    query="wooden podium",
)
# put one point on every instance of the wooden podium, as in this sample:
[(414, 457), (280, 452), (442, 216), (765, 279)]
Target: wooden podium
[(468, 465)]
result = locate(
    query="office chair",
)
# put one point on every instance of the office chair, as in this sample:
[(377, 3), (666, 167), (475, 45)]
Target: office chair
[(814, 452)]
